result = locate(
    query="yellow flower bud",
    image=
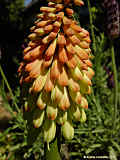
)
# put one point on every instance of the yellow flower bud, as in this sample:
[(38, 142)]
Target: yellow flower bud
[(49, 131), (51, 112), (83, 116), (67, 130), (38, 118)]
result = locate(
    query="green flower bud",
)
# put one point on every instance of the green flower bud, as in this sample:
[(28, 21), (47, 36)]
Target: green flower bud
[(77, 114), (56, 94), (73, 85), (39, 31), (38, 118), (83, 116), (26, 107), (62, 117), (85, 81), (64, 102), (49, 131), (51, 112), (67, 130), (76, 73), (74, 112), (40, 102), (32, 36), (84, 89), (39, 83), (76, 96)]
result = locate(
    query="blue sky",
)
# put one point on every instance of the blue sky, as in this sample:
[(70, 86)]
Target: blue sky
[(27, 1)]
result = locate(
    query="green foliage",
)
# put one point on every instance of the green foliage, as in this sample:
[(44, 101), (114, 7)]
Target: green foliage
[(12, 9)]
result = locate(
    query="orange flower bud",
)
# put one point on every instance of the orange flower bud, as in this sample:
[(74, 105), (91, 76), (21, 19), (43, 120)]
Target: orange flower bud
[(71, 63), (61, 40), (80, 52), (55, 70), (70, 48), (63, 78), (49, 84), (42, 23), (69, 12), (59, 7), (48, 28), (74, 40), (78, 2), (47, 9), (51, 50), (62, 55), (76, 27), (84, 103)]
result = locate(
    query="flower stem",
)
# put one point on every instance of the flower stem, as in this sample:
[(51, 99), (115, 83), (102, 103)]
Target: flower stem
[(116, 85), (9, 88), (91, 25), (53, 153)]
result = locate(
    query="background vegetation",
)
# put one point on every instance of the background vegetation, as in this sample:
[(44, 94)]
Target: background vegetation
[(99, 136)]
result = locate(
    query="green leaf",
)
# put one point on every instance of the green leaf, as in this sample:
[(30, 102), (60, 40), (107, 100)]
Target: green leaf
[(112, 154)]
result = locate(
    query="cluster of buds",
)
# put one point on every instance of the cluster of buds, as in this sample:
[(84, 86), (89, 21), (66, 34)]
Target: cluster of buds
[(57, 67)]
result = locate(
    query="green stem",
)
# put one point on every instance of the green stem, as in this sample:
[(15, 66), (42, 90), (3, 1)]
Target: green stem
[(53, 153), (9, 88), (91, 25), (116, 85)]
